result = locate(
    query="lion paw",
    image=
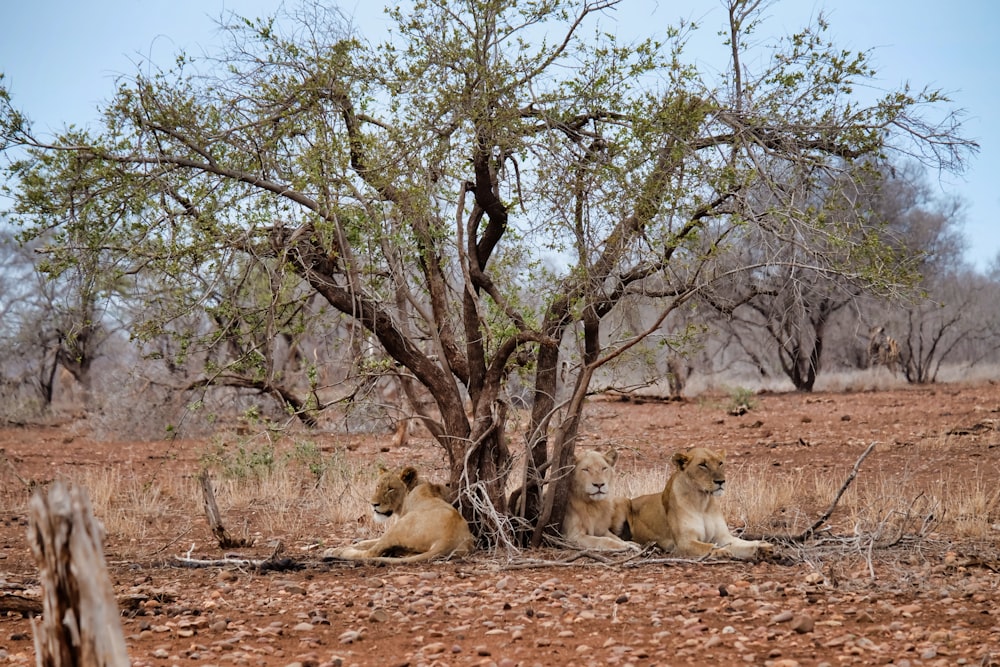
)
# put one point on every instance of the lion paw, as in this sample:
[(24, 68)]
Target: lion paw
[(334, 552)]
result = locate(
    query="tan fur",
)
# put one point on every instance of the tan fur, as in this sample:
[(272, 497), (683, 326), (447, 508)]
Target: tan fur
[(592, 515), (685, 519), (428, 527)]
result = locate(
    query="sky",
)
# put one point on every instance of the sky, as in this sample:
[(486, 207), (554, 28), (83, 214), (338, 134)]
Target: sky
[(60, 59)]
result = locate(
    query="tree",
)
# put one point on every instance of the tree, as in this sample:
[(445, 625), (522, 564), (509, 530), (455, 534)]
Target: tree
[(943, 317), (47, 326), (420, 187)]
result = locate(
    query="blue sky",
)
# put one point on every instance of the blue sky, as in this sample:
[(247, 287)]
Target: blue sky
[(60, 59)]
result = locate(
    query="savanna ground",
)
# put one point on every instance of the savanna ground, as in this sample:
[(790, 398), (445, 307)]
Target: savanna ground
[(906, 571)]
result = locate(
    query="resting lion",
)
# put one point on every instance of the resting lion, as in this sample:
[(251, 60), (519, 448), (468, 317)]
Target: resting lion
[(427, 527), (685, 518), (592, 515)]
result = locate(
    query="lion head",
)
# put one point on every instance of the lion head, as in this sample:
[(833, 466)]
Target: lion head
[(703, 468), (593, 473), (390, 492)]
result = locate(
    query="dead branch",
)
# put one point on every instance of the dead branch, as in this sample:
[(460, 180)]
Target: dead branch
[(272, 562), (226, 541), (247, 563), (825, 516), (20, 605)]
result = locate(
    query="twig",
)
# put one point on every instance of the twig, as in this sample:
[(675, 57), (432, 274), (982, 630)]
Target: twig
[(602, 557), (28, 484), (681, 561), (825, 516), (169, 544)]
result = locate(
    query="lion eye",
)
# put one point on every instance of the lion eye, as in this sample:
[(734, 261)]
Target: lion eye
[(703, 465)]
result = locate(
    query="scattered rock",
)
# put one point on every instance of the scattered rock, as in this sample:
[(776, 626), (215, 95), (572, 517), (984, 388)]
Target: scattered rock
[(781, 617), (350, 636), (803, 623)]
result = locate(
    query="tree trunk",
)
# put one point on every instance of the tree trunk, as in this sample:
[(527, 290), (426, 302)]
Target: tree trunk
[(81, 624), (528, 505)]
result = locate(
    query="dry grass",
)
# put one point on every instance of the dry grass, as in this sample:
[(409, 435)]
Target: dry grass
[(303, 496), (263, 493), (882, 507), (132, 511)]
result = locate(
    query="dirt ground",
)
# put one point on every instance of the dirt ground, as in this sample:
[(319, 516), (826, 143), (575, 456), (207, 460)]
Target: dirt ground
[(928, 599)]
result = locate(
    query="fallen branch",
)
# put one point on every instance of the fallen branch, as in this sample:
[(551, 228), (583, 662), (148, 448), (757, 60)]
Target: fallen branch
[(20, 605), (604, 557), (272, 562), (825, 516)]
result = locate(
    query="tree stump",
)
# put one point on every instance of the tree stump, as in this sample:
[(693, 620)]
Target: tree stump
[(80, 620), (226, 541)]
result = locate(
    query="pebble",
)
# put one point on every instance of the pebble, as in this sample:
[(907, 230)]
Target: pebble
[(349, 637), (803, 623), (782, 617)]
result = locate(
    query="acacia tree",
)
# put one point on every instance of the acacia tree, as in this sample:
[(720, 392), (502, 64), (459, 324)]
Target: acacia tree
[(422, 188)]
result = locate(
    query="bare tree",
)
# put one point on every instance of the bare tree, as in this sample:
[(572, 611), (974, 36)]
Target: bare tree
[(948, 315)]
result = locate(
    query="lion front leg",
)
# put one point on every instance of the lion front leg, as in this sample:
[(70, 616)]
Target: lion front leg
[(693, 548), (745, 549), (362, 550), (605, 543), (346, 553)]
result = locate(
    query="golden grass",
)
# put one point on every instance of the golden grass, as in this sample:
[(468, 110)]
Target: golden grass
[(129, 509), (305, 497), (761, 501)]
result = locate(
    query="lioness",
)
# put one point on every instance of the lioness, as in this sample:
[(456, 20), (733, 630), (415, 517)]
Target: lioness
[(685, 519), (592, 515), (428, 527)]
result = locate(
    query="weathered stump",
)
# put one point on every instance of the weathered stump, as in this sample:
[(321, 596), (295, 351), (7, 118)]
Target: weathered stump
[(226, 541), (80, 620)]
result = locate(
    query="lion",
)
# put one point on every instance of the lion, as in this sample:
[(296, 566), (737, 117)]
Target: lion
[(592, 516), (685, 519), (427, 526)]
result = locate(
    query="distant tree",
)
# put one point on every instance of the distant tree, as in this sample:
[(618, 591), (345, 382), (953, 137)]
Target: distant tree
[(803, 277), (478, 195), (954, 322), (949, 312), (47, 325)]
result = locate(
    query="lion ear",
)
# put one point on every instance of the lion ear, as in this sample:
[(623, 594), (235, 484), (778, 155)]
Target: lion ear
[(611, 456), (409, 476), (680, 460)]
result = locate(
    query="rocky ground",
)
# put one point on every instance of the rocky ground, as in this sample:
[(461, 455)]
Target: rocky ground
[(928, 596)]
